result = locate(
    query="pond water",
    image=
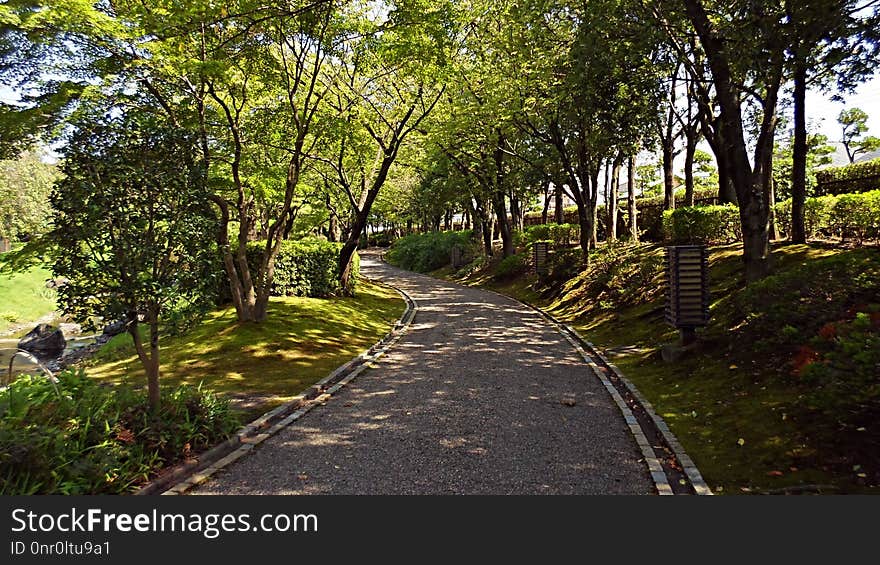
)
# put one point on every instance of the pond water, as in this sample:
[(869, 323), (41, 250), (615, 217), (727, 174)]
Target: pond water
[(23, 364)]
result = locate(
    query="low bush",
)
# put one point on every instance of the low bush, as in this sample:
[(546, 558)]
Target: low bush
[(702, 225), (815, 215), (853, 216), (429, 251), (512, 266), (559, 234), (306, 267), (814, 293), (93, 439)]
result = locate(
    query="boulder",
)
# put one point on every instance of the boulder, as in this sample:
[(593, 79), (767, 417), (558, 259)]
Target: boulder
[(44, 341), (114, 328)]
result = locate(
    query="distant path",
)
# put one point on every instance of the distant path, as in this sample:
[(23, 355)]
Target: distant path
[(470, 401)]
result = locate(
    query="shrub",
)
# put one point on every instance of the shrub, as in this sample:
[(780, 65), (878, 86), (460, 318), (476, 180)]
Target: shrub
[(512, 266), (559, 234), (855, 216), (846, 216), (95, 439), (702, 225), (815, 215), (306, 267), (804, 298), (429, 251)]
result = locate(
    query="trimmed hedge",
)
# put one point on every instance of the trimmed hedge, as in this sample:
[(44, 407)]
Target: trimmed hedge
[(650, 212), (846, 216), (707, 225), (559, 234), (859, 177), (426, 252), (306, 267)]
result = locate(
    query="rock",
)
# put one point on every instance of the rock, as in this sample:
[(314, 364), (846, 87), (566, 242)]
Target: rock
[(114, 328), (43, 341), (57, 282), (672, 352), (70, 328)]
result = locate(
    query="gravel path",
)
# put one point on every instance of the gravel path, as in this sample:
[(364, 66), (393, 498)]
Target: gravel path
[(470, 401)]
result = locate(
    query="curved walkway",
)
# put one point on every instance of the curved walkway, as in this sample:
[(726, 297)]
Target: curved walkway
[(481, 396)]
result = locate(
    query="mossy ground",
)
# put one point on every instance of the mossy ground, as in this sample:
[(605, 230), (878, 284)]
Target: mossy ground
[(262, 365)]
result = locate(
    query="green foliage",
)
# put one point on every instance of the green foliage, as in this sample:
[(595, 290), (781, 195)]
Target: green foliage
[(306, 267), (854, 127), (25, 184), (429, 251), (133, 225), (96, 439), (815, 214), (860, 177), (512, 266), (819, 153), (702, 225), (559, 234), (814, 293), (840, 363), (846, 216)]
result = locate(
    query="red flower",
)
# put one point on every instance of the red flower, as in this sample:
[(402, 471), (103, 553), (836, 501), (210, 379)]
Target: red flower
[(828, 331), (805, 357)]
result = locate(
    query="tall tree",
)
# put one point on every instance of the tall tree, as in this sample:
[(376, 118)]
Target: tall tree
[(853, 128), (753, 33), (830, 41)]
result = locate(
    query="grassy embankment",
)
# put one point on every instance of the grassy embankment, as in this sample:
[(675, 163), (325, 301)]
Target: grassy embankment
[(24, 297), (260, 366), (781, 395)]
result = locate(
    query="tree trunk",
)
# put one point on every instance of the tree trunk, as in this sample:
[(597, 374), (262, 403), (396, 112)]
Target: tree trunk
[(594, 206), (559, 213), (631, 194), (545, 211), (752, 185), (668, 177), (690, 149), (799, 156), (149, 361), (503, 224), (611, 204), (584, 220)]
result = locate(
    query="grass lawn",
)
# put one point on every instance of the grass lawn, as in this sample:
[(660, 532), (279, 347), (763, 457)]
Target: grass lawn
[(260, 366), (24, 297), (735, 405)]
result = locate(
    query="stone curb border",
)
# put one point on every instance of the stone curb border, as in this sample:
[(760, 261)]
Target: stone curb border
[(688, 465), (185, 477)]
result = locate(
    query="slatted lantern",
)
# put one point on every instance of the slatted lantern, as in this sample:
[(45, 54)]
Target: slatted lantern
[(687, 291), (455, 257), (540, 250)]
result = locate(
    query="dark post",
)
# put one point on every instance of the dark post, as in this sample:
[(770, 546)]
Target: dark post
[(687, 292), (540, 249)]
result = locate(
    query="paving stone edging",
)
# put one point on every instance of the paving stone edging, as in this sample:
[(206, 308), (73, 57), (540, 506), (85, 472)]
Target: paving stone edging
[(688, 465), (186, 476), (658, 475)]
